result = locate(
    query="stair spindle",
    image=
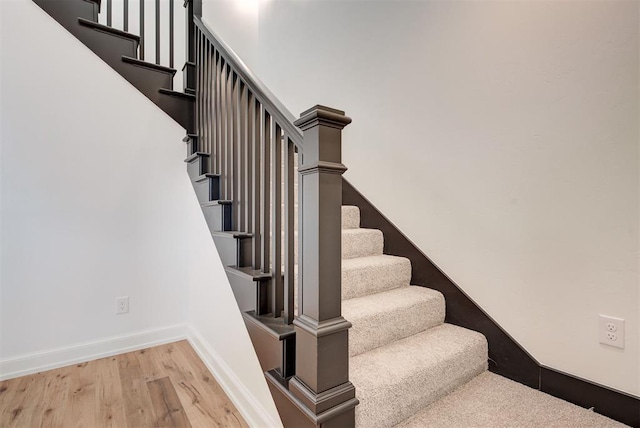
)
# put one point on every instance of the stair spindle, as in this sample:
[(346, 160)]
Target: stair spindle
[(228, 168), (171, 36), (256, 189), (208, 96), (109, 12), (141, 48), (277, 289), (248, 162), (265, 196), (157, 10), (235, 173), (218, 114), (212, 101), (198, 61), (222, 90), (125, 18), (242, 156)]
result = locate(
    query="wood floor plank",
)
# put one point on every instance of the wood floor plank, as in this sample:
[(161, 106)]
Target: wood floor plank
[(137, 403), (164, 386), (23, 403), (214, 399), (81, 401), (109, 405), (8, 390), (201, 405), (150, 367), (195, 406), (166, 404), (56, 395)]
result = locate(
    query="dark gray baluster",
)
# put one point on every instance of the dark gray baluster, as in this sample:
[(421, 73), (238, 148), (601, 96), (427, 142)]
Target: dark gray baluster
[(229, 107), (237, 152), (242, 157), (256, 167), (289, 230), (157, 31), (211, 84), (198, 60), (109, 12), (141, 48), (223, 128), (265, 196), (125, 18), (277, 289), (248, 189), (171, 36), (218, 100), (205, 97), (212, 95)]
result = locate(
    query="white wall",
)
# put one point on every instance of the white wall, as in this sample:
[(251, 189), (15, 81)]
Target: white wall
[(238, 21), (86, 215), (507, 133), (96, 203)]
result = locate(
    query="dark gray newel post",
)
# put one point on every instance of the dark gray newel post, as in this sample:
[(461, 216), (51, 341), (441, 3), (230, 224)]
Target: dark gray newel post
[(322, 344)]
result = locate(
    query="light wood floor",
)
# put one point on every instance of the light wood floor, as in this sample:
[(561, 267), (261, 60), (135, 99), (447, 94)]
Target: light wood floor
[(164, 386)]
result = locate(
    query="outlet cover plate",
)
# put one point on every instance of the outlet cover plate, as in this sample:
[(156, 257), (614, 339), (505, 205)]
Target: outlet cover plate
[(122, 305), (611, 331)]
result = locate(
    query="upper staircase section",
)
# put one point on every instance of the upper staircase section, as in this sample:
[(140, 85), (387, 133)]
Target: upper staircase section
[(120, 49)]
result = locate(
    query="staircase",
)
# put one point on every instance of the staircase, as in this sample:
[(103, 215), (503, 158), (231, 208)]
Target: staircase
[(402, 355), (342, 335)]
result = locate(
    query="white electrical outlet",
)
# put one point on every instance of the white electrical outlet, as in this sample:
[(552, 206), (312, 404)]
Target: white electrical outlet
[(122, 305), (611, 331)]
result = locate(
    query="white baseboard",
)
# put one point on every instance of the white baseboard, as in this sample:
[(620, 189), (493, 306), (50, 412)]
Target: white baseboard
[(59, 357), (247, 404)]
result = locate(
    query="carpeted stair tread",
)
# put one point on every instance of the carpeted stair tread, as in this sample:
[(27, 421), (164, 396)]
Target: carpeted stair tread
[(396, 381), (361, 243), (368, 275), (492, 401), (350, 217), (382, 318)]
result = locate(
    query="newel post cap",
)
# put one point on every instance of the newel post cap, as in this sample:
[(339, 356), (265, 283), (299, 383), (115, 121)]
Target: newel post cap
[(321, 115)]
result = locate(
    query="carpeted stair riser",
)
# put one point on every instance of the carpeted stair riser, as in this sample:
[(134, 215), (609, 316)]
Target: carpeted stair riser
[(368, 275), (350, 217), (382, 318), (350, 222), (395, 381), (361, 243)]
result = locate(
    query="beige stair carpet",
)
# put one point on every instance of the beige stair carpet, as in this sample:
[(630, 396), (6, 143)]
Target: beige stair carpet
[(492, 401), (411, 369), (403, 357)]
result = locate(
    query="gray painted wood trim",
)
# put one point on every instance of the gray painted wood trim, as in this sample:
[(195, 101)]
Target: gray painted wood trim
[(321, 381)]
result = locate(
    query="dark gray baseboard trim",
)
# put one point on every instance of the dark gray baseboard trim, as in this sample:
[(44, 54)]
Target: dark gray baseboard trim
[(617, 405), (506, 357)]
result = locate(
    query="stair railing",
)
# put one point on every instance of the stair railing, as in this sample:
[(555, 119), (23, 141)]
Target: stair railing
[(253, 140)]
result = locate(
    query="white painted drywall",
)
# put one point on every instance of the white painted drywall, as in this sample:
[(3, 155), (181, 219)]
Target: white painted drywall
[(238, 21), (86, 214), (96, 203), (507, 133)]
